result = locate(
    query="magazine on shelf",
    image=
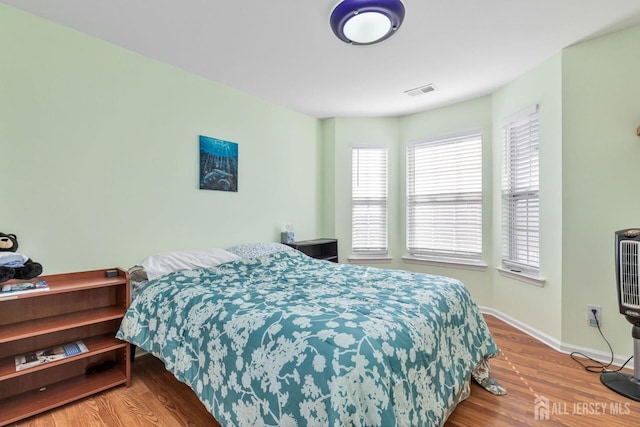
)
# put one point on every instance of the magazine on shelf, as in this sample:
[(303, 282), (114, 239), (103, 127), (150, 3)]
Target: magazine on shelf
[(23, 288), (39, 357)]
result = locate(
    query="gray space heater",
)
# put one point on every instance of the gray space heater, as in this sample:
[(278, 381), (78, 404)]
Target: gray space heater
[(628, 284)]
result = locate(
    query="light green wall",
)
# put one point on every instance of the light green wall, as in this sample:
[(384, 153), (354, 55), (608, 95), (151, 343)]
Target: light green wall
[(328, 180), (538, 307), (342, 135), (601, 179), (99, 160), (588, 100), (464, 116), (99, 163)]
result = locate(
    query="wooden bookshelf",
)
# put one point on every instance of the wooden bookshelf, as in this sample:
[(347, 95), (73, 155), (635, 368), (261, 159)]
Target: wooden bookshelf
[(85, 306)]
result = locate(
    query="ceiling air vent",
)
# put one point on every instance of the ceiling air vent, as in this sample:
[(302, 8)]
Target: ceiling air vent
[(420, 90)]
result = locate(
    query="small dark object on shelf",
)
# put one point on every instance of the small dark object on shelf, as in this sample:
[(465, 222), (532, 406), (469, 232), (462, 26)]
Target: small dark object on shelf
[(101, 367), (112, 273)]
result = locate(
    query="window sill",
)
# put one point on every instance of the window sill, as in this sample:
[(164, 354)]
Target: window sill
[(532, 280), (453, 263), (369, 259)]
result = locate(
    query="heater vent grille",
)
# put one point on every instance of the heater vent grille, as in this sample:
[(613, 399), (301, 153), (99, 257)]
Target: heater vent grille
[(629, 274)]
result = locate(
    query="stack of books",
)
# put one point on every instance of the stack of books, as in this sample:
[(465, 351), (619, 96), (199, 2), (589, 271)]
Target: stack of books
[(14, 289), (39, 357)]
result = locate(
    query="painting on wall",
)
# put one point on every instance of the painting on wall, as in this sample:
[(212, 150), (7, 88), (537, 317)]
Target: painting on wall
[(218, 164)]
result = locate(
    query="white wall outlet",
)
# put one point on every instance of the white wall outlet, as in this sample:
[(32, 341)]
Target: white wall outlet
[(591, 321)]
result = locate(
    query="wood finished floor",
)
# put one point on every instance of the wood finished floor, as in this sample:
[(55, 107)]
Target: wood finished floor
[(529, 369), (525, 367)]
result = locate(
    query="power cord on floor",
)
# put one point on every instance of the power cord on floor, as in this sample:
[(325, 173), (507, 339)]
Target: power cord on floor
[(600, 367)]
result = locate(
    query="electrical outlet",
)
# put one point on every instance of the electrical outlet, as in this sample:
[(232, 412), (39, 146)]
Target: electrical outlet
[(591, 321)]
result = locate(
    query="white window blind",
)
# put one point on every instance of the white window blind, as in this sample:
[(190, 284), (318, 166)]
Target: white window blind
[(520, 199), (369, 201), (444, 197)]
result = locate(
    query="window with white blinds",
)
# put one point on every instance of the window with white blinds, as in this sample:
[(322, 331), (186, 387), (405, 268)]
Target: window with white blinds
[(520, 199), (369, 201), (444, 198)]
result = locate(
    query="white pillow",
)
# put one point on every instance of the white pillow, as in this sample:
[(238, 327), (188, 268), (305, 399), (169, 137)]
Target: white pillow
[(168, 262)]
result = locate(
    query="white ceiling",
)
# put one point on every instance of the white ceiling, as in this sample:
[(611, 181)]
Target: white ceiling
[(284, 51)]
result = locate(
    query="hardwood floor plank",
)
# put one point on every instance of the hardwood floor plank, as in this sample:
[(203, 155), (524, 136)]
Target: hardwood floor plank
[(139, 408), (527, 368)]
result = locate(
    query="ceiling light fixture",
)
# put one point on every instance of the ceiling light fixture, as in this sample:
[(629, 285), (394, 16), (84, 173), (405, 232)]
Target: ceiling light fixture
[(363, 22)]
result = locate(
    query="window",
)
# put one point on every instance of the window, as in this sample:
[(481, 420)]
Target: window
[(369, 201), (520, 200), (444, 198)]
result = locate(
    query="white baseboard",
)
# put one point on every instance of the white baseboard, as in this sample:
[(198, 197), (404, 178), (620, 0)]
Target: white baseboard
[(555, 344)]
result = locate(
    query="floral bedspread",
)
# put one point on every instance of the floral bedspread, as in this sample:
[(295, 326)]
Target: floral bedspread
[(287, 340)]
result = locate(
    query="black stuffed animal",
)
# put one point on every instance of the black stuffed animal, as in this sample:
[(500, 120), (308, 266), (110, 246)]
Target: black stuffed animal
[(14, 265)]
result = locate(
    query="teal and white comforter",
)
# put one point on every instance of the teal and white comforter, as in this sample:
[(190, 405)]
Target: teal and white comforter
[(287, 340)]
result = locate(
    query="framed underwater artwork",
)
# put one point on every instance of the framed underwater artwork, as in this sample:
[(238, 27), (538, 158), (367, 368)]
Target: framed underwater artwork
[(218, 164)]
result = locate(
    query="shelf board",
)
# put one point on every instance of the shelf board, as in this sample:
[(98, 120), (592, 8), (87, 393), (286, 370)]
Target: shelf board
[(32, 328), (34, 402), (61, 283), (78, 306), (96, 345), (72, 285)]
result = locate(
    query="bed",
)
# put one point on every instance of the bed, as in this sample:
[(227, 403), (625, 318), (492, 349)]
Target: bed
[(276, 338)]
